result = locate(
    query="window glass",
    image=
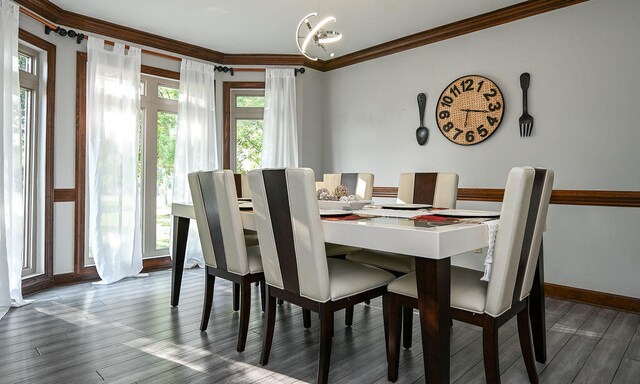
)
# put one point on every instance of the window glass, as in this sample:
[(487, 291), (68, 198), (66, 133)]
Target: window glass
[(249, 144), (25, 62), (165, 92), (250, 101), (167, 124)]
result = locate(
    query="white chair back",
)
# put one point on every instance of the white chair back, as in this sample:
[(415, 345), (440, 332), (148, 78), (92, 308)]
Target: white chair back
[(242, 185), (439, 189), (359, 184), (524, 210), (215, 202), (290, 231)]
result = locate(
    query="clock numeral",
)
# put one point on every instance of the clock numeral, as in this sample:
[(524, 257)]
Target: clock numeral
[(467, 85), (482, 131), (495, 107), (444, 114), (455, 91), (458, 132), (446, 101), (480, 84), (469, 136), (490, 94), (492, 120), (447, 127)]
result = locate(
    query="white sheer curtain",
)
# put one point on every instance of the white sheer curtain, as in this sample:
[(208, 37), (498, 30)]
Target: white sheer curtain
[(196, 147), (280, 135), (11, 187), (113, 105)]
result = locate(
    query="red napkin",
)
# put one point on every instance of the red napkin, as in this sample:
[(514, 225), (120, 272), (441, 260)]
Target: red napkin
[(435, 219), (340, 218)]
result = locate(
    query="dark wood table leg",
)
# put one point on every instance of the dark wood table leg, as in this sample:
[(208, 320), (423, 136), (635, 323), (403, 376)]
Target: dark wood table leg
[(178, 251), (537, 311), (434, 302)]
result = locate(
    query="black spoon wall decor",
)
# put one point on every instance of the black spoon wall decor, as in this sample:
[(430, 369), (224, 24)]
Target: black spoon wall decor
[(422, 133)]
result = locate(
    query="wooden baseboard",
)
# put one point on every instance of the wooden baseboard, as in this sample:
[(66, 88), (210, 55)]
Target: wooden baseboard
[(156, 264), (148, 265), (73, 278), (609, 300)]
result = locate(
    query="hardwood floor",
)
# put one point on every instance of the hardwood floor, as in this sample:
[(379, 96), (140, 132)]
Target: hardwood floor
[(128, 333)]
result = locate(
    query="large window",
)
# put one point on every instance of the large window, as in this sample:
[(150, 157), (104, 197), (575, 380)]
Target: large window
[(246, 120), (158, 123), (30, 133)]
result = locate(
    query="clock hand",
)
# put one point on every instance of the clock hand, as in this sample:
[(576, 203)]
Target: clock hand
[(474, 110), (466, 119)]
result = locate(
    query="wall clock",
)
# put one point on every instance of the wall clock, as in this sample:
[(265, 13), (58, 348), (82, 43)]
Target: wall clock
[(469, 110)]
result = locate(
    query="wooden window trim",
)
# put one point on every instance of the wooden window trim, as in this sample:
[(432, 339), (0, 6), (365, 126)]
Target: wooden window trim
[(45, 280)]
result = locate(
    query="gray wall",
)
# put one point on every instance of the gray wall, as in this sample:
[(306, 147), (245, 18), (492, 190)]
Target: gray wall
[(583, 62)]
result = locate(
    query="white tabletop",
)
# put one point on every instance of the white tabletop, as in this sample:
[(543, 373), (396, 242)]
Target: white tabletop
[(408, 237)]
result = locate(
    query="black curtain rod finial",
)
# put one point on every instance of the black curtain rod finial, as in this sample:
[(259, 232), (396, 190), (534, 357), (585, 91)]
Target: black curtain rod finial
[(298, 70)]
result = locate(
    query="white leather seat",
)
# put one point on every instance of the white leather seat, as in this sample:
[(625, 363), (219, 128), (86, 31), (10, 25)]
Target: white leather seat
[(467, 291), (517, 245), (227, 251), (295, 263), (338, 249), (348, 279)]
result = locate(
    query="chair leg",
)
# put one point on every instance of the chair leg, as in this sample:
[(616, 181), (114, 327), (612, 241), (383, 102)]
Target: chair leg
[(262, 294), (348, 316), (407, 326), (236, 296), (524, 333), (269, 325), (210, 282), (306, 318), (490, 350), (280, 301), (393, 343), (245, 311), (326, 336)]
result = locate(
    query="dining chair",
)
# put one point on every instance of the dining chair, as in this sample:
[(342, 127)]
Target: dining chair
[(439, 189), (491, 304), (359, 184), (296, 266), (250, 237), (225, 251)]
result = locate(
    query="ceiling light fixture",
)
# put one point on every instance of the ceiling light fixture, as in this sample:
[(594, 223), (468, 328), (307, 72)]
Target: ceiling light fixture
[(316, 35)]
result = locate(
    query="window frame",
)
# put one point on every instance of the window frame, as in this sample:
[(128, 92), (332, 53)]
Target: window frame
[(30, 81), (241, 113), (227, 87), (152, 104), (45, 69)]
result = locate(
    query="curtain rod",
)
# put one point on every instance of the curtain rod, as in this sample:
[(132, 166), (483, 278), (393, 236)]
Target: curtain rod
[(49, 27)]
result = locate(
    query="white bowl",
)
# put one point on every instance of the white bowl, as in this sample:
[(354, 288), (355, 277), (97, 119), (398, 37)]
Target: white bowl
[(346, 205)]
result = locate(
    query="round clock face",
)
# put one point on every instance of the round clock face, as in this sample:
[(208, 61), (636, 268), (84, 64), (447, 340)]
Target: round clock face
[(469, 110)]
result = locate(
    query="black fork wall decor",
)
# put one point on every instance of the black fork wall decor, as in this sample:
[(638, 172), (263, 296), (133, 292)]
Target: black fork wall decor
[(526, 120)]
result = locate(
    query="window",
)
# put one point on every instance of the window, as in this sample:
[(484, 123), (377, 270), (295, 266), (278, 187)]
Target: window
[(28, 61), (246, 121), (159, 120)]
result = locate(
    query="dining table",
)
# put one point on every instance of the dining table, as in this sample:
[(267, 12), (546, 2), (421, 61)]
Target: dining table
[(432, 245)]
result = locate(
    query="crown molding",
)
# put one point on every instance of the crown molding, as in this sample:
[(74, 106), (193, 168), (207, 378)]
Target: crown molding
[(458, 28), (501, 16)]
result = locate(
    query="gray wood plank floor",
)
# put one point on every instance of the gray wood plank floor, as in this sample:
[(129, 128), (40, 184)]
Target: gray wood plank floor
[(128, 333)]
